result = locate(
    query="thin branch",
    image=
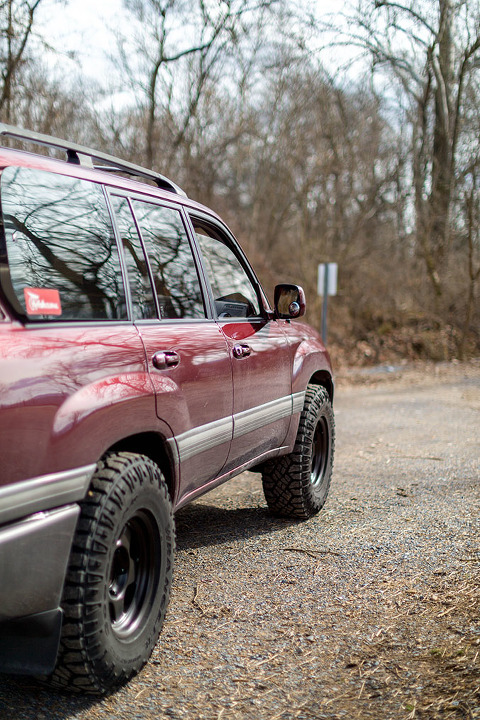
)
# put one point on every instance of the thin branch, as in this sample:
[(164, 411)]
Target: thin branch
[(407, 10)]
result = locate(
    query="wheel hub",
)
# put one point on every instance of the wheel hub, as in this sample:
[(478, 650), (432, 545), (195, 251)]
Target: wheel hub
[(320, 448), (132, 583)]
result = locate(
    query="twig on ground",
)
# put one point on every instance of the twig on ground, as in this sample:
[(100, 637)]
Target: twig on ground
[(311, 553)]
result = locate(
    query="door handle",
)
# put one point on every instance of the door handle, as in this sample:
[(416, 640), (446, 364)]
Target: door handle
[(241, 350), (164, 359)]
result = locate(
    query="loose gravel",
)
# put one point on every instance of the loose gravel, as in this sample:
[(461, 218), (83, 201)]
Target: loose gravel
[(369, 610)]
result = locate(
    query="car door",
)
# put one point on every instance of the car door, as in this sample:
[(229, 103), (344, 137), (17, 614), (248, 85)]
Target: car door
[(257, 343), (187, 353)]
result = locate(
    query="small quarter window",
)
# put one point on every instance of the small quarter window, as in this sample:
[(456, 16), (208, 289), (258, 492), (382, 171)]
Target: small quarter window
[(62, 256)]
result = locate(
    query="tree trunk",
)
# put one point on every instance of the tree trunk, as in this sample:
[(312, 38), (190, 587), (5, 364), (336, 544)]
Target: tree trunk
[(442, 160)]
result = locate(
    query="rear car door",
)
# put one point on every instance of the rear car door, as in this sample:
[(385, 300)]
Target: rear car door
[(258, 347), (187, 353)]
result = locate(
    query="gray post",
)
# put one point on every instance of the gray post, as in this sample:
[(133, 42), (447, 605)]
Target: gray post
[(325, 303)]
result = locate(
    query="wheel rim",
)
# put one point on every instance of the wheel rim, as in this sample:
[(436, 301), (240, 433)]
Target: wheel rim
[(134, 574), (320, 450)]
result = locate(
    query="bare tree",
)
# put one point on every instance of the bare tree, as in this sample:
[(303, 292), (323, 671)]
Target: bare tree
[(173, 35), (431, 49), (16, 27)]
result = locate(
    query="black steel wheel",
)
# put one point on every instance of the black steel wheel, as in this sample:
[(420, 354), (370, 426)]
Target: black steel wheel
[(320, 451), (133, 574), (119, 577), (296, 485)]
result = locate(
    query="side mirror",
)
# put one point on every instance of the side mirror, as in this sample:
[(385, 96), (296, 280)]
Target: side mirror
[(289, 301)]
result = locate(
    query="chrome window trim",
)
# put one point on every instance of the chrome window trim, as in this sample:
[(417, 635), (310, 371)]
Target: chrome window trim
[(44, 493)]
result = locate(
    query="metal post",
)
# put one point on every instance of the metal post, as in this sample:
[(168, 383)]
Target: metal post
[(325, 303)]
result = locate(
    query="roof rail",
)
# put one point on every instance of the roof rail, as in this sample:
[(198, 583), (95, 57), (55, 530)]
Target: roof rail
[(80, 155)]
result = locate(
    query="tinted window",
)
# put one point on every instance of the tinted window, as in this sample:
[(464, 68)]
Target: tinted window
[(143, 302), (233, 292), (61, 250), (171, 260)]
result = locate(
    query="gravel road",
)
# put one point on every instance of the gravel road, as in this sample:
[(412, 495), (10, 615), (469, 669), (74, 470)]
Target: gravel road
[(370, 610)]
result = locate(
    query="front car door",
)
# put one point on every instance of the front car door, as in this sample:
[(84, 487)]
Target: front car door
[(258, 347)]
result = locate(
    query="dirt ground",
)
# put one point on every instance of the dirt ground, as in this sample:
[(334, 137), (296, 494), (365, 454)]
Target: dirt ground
[(369, 610)]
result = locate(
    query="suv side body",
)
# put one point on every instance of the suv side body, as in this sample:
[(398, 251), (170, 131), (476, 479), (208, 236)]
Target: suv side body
[(114, 349)]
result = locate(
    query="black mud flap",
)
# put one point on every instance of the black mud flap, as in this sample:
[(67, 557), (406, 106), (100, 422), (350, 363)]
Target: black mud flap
[(29, 645)]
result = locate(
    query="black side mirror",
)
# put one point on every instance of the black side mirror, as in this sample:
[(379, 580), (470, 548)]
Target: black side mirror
[(289, 301)]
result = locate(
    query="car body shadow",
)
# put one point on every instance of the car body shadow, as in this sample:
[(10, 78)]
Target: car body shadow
[(27, 698), (201, 525)]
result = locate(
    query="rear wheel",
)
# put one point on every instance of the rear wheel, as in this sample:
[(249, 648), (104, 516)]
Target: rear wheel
[(296, 485), (119, 576)]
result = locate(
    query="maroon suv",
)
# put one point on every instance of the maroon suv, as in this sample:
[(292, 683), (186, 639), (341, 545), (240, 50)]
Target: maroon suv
[(141, 364)]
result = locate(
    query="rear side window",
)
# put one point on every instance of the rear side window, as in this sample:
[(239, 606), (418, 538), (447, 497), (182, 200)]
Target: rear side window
[(61, 251), (143, 301), (171, 261)]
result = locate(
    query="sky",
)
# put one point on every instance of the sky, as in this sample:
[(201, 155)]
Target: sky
[(85, 28), (82, 27)]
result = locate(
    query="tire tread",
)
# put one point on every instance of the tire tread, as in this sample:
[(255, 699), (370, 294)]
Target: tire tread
[(80, 651), (286, 479)]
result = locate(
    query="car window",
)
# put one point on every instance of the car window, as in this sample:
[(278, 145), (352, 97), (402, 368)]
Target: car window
[(233, 291), (143, 302), (62, 254), (174, 272)]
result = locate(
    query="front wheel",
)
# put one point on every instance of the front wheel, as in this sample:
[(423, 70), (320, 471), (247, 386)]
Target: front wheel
[(296, 485), (119, 576)]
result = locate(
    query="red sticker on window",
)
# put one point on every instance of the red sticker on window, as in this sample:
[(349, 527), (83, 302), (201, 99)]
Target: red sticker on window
[(42, 302)]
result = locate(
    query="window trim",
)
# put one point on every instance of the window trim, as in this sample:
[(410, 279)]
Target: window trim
[(110, 192), (202, 280), (231, 242), (123, 262)]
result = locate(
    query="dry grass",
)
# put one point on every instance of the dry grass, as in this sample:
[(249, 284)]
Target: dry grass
[(425, 652)]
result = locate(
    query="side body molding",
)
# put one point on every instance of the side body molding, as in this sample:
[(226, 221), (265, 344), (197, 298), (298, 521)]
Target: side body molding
[(43, 493), (212, 434)]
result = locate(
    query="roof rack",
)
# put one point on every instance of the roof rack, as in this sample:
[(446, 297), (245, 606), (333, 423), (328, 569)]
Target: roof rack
[(80, 155)]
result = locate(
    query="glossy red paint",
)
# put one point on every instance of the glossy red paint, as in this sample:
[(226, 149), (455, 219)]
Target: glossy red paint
[(261, 376), (194, 393), (68, 394), (310, 356), (204, 394), (64, 389)]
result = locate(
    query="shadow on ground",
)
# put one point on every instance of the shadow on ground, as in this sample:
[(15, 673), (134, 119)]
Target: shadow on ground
[(23, 698), (201, 525)]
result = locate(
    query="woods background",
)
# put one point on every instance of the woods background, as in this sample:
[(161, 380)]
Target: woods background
[(348, 137)]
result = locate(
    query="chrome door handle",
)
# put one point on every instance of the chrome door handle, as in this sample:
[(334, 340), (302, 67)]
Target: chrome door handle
[(241, 350), (164, 359)]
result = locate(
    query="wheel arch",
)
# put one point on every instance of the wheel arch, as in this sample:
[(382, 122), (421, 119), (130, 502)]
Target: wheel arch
[(156, 448), (323, 378)]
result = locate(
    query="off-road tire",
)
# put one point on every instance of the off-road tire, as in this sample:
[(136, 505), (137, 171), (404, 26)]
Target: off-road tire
[(119, 576), (296, 485)]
